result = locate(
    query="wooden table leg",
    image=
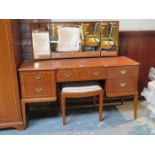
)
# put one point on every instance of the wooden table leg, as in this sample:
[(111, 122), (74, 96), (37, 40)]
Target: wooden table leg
[(63, 109), (24, 113), (135, 104), (100, 105)]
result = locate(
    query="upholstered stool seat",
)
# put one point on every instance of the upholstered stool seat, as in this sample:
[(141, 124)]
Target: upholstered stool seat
[(78, 90), (80, 87)]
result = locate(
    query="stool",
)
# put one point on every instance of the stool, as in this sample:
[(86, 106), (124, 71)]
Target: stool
[(79, 90)]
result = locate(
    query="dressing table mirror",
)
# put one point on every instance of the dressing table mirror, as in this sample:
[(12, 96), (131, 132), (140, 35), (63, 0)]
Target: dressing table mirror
[(74, 39)]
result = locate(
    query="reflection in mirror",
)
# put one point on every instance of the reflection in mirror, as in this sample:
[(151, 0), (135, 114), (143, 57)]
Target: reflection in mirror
[(109, 36), (91, 36), (40, 43), (65, 37)]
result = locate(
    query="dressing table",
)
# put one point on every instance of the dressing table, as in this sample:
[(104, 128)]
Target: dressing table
[(38, 79), (93, 62)]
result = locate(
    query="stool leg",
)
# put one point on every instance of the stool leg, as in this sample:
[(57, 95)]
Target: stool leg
[(94, 104), (63, 109), (24, 113), (100, 106), (122, 100)]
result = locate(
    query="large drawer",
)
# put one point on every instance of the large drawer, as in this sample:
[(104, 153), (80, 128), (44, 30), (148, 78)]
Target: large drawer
[(38, 84), (121, 85), (37, 77), (97, 73), (123, 72), (38, 90)]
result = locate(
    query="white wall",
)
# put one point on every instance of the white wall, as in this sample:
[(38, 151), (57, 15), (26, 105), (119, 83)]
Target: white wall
[(127, 24), (137, 24)]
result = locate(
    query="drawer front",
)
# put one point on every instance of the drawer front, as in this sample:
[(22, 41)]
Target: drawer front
[(123, 72), (121, 85), (37, 77), (81, 74), (38, 90), (96, 73)]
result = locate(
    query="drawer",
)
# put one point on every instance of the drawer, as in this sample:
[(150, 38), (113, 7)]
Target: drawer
[(121, 85), (37, 77), (38, 90), (123, 72), (96, 73), (67, 75)]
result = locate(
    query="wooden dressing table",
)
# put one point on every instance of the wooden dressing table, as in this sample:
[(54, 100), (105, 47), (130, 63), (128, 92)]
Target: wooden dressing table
[(38, 78)]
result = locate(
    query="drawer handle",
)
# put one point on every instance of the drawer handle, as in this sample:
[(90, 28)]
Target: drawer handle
[(96, 73), (39, 90), (123, 71), (38, 77), (67, 75), (122, 85)]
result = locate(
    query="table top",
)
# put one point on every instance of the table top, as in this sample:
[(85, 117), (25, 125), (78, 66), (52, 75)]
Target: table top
[(76, 63)]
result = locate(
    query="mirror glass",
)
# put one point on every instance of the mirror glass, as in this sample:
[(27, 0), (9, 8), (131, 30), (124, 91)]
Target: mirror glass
[(75, 39)]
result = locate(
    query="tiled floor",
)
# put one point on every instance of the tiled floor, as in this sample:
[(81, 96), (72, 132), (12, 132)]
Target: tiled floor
[(118, 120)]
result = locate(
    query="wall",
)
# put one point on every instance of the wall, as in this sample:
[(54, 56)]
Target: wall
[(140, 46), (137, 24)]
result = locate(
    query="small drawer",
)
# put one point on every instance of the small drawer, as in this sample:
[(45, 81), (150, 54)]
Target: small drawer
[(121, 85), (38, 90), (36, 77), (81, 74), (123, 72), (98, 73), (68, 75)]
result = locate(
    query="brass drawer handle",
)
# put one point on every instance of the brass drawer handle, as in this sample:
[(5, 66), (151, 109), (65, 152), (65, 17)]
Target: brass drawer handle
[(67, 75), (38, 77), (123, 71), (122, 85), (96, 73), (39, 90)]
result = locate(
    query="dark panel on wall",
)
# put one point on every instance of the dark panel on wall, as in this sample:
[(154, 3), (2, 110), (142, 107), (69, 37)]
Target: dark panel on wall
[(17, 43), (140, 46)]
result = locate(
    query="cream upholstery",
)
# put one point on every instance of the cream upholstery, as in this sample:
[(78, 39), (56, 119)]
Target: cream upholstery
[(80, 87), (68, 39)]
